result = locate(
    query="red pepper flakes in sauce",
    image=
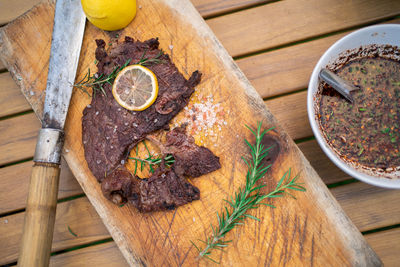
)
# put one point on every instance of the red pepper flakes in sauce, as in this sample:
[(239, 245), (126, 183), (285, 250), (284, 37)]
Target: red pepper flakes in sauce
[(368, 130)]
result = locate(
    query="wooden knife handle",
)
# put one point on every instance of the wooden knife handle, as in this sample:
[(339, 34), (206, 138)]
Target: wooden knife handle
[(40, 215)]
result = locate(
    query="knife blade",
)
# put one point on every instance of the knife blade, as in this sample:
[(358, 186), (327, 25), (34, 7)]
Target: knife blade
[(69, 25), (68, 30)]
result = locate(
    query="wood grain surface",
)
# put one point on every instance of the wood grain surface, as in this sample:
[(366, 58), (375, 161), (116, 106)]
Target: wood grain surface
[(15, 181), (266, 27), (11, 98), (76, 216), (164, 237), (10, 10), (86, 226), (287, 69)]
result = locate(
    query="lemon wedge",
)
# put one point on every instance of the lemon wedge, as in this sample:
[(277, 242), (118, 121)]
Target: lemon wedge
[(109, 15), (135, 87)]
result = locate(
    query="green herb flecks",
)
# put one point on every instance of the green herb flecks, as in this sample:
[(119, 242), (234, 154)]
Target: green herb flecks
[(396, 83), (247, 198), (151, 160), (144, 61)]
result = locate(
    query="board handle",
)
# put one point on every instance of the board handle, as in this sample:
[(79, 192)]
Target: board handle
[(40, 215)]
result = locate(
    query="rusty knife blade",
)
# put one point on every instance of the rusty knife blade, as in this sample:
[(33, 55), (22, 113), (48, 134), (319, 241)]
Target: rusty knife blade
[(69, 26)]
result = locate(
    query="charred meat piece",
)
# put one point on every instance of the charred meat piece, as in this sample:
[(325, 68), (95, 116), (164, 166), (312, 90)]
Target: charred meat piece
[(190, 159), (120, 186), (164, 190), (109, 131)]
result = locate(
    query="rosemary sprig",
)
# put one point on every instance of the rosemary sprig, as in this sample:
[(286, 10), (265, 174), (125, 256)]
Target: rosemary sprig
[(96, 81), (144, 61), (247, 198), (151, 160)]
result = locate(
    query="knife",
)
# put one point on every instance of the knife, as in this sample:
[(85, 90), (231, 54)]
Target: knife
[(68, 29)]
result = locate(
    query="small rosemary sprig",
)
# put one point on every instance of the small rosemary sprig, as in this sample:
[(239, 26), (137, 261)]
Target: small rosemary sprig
[(96, 81), (247, 198), (144, 61), (151, 160)]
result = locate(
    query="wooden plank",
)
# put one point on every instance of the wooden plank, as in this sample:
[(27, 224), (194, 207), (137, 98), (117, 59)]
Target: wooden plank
[(358, 199), (14, 182), (291, 112), (387, 245), (17, 143), (140, 237), (369, 207), (322, 164), (78, 214), (11, 99), (289, 21), (9, 10), (287, 69), (209, 8), (103, 255)]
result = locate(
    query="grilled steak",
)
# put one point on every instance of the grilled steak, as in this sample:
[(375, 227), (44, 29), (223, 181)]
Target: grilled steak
[(164, 190), (190, 159), (109, 132)]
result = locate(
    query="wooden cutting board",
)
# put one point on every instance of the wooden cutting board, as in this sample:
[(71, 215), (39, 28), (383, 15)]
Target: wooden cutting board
[(312, 230)]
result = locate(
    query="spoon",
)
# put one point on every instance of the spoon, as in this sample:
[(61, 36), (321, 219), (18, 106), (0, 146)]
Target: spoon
[(343, 87)]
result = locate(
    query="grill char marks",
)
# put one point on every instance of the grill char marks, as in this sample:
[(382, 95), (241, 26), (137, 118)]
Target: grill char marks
[(110, 131)]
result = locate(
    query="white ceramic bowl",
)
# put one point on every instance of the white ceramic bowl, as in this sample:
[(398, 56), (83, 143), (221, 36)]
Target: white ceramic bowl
[(379, 34)]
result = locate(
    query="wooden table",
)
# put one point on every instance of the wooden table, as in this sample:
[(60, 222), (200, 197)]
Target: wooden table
[(276, 44)]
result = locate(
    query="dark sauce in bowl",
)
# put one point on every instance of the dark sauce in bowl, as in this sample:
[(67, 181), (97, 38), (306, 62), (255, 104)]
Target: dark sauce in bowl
[(366, 132)]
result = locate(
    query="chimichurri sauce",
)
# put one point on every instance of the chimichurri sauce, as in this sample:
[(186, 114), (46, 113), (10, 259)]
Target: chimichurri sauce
[(366, 131)]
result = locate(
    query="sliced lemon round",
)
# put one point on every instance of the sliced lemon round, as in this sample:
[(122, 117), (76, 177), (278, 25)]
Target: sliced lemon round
[(135, 87)]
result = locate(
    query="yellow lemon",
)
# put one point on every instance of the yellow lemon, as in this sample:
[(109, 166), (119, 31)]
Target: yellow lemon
[(135, 88), (109, 15)]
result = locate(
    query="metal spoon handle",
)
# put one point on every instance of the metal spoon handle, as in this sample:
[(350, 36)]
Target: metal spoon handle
[(341, 86)]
